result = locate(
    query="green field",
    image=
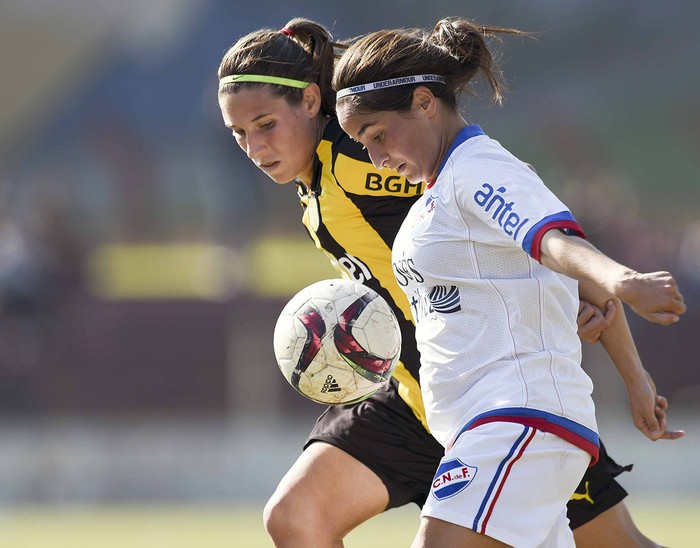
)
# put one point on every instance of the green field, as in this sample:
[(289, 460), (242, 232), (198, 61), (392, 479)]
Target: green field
[(671, 522)]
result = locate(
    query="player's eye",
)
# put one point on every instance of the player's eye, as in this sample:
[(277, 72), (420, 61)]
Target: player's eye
[(267, 125), (378, 138), (362, 145), (358, 142)]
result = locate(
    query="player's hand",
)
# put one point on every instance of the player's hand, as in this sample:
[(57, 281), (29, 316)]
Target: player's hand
[(592, 322), (654, 296), (649, 411), (660, 412)]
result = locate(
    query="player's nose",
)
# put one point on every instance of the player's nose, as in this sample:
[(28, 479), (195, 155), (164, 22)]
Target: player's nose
[(379, 159), (255, 148)]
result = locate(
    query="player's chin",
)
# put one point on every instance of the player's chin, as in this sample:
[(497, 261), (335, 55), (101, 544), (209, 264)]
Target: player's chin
[(281, 178), (277, 173), (412, 175), (282, 181), (414, 180)]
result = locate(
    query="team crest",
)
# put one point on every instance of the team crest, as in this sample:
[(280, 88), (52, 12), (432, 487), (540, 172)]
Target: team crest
[(452, 477), (428, 209)]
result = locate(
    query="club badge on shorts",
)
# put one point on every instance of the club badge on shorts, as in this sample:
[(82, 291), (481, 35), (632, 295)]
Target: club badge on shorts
[(451, 478)]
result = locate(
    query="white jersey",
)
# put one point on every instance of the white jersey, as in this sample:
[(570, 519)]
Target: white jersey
[(496, 330)]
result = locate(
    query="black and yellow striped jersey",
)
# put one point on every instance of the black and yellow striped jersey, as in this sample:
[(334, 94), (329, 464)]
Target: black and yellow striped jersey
[(352, 212)]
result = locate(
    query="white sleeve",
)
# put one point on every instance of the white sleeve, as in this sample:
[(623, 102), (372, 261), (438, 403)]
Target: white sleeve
[(509, 203)]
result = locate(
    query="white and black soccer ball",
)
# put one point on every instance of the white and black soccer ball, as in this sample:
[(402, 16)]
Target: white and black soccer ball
[(337, 341)]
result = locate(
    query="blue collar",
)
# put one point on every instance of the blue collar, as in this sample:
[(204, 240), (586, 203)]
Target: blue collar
[(465, 133)]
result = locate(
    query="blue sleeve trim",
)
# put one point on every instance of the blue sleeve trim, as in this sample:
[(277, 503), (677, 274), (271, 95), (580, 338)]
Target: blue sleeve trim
[(554, 218)]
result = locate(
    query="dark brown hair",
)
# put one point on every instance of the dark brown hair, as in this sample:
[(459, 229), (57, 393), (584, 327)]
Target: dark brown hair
[(455, 49), (305, 51)]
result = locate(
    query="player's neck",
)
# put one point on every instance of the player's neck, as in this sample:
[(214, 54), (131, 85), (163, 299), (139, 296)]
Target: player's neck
[(453, 123), (307, 175)]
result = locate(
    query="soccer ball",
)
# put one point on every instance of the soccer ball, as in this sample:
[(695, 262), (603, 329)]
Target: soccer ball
[(337, 342)]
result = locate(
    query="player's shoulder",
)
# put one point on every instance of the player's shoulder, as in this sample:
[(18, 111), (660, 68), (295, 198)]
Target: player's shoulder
[(484, 147), (347, 162), (485, 158), (343, 159), (342, 143)]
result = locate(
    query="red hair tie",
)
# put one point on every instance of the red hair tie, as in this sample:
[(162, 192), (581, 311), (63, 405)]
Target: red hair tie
[(287, 32)]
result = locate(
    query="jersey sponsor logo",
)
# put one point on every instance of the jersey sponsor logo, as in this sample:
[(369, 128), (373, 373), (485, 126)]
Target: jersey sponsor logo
[(492, 201), (405, 272), (452, 477), (420, 306), (393, 183), (441, 298), (444, 299)]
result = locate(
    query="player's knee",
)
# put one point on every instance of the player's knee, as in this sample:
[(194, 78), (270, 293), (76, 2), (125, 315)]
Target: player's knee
[(289, 521), (276, 520)]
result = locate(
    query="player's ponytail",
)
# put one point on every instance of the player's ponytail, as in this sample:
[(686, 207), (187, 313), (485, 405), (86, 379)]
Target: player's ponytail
[(318, 42), (446, 60), (465, 41), (302, 51)]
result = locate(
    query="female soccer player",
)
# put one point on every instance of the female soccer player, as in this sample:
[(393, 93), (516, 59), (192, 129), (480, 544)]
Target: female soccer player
[(359, 460), (481, 263)]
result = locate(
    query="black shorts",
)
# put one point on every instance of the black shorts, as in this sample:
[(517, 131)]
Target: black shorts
[(383, 433), (598, 490)]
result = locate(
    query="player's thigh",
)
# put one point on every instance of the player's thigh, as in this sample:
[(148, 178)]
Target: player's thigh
[(597, 492), (614, 527), (383, 433), (329, 486), (438, 534), (507, 481)]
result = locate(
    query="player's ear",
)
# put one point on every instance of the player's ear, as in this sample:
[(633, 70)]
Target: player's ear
[(424, 102), (312, 99)]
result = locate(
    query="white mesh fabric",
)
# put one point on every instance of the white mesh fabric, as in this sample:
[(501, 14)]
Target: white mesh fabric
[(513, 341)]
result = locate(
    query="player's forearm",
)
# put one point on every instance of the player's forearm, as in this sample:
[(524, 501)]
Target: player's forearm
[(580, 260), (616, 338), (654, 296), (619, 344)]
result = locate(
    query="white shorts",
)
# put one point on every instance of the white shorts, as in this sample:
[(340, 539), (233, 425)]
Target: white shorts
[(510, 482)]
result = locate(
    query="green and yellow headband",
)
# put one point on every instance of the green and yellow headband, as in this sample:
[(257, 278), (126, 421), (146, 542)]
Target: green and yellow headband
[(262, 79)]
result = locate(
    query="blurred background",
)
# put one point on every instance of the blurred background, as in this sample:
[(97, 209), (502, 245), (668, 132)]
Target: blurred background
[(144, 259)]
